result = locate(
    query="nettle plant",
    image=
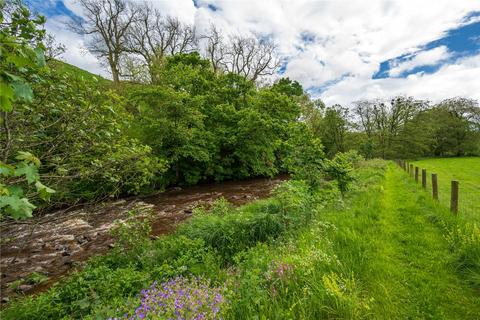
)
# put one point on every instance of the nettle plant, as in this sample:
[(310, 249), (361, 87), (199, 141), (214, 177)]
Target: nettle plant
[(21, 60)]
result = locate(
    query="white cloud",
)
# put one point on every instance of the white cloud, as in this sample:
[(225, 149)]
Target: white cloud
[(351, 37), (182, 9), (424, 58), (457, 79)]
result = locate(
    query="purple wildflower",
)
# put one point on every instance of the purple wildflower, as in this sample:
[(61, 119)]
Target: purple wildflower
[(180, 298)]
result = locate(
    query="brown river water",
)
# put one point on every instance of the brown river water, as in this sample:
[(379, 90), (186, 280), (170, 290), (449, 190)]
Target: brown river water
[(60, 242)]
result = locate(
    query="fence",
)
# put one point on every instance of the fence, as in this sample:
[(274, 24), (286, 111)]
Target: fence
[(414, 171)]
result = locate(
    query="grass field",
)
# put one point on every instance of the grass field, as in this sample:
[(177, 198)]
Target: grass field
[(467, 172), (385, 250)]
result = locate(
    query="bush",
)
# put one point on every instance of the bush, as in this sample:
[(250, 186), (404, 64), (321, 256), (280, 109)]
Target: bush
[(230, 231), (340, 168)]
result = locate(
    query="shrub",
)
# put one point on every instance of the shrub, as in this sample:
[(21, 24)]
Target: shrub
[(134, 230), (354, 157), (340, 168)]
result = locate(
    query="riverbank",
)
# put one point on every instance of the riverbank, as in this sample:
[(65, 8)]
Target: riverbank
[(53, 245)]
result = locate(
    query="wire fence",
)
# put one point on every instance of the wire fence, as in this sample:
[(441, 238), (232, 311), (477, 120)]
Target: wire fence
[(461, 196)]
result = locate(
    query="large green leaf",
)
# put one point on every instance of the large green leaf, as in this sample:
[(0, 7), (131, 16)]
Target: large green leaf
[(16, 207), (30, 172), (43, 191), (28, 157), (14, 77), (6, 97), (6, 170), (15, 190), (23, 91), (19, 61), (40, 57)]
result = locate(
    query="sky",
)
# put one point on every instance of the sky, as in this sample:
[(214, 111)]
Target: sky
[(340, 51)]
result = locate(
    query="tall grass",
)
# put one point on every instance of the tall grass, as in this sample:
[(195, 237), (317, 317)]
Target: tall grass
[(384, 250)]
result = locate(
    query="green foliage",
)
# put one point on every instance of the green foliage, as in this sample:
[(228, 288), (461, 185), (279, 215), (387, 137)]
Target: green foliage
[(340, 168), (328, 259), (234, 232), (18, 183), (304, 156), (464, 241), (134, 230), (212, 126), (192, 124), (21, 53), (333, 130), (21, 61), (80, 131), (354, 157), (408, 128), (288, 87), (32, 279)]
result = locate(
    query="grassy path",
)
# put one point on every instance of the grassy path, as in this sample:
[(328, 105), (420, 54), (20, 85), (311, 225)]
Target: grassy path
[(403, 258), (378, 253), (419, 257)]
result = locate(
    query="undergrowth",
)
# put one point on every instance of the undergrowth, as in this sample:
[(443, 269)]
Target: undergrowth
[(302, 254)]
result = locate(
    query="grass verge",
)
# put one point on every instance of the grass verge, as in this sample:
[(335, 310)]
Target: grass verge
[(383, 250)]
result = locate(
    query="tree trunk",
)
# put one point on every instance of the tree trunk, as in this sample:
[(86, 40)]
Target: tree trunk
[(115, 76), (114, 69)]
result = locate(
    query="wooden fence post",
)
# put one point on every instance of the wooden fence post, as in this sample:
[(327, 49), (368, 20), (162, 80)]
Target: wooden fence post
[(424, 178), (454, 197), (411, 170), (416, 174), (434, 186)]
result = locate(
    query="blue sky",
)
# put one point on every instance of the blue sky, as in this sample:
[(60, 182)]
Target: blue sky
[(341, 51), (460, 42)]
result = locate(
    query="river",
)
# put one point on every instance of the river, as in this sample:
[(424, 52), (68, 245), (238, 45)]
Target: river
[(57, 243)]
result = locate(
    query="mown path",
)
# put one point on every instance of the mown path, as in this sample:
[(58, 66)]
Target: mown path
[(405, 264)]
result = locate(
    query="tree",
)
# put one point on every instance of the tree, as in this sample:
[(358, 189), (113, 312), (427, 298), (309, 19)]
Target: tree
[(251, 58), (456, 127), (334, 129), (215, 48), (288, 87), (382, 121), (153, 36), (21, 61), (53, 49), (248, 56), (107, 23)]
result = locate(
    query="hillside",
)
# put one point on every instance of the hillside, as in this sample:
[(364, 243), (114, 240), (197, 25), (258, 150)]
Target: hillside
[(66, 68)]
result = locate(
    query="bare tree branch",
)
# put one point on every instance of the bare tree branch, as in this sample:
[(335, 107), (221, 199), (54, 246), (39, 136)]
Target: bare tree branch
[(153, 36), (251, 58), (107, 23)]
